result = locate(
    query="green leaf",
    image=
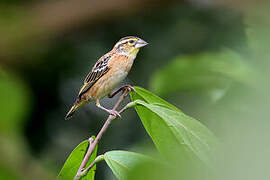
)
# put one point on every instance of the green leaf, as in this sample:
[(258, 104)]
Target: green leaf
[(74, 161), (8, 173), (151, 98), (14, 103), (121, 162), (156, 170), (175, 133), (201, 72)]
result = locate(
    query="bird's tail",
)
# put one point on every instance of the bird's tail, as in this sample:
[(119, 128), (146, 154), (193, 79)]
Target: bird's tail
[(74, 108)]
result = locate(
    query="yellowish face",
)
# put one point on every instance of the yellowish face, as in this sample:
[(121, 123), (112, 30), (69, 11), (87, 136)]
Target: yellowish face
[(130, 45)]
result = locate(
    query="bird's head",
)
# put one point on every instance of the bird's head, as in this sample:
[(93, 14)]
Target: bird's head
[(129, 45)]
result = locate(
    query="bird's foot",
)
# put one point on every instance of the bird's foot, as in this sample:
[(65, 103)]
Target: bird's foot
[(128, 88), (125, 89), (114, 113)]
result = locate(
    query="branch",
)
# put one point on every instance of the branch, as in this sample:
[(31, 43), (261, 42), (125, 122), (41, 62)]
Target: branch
[(86, 157), (93, 144), (98, 159)]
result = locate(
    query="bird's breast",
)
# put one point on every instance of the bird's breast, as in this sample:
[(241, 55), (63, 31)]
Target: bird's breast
[(122, 62), (118, 71)]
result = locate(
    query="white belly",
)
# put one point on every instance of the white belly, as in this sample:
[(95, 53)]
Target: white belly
[(116, 79), (112, 82)]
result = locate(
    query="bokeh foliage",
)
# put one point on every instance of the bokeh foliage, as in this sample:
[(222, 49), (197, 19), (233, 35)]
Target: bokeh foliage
[(204, 72)]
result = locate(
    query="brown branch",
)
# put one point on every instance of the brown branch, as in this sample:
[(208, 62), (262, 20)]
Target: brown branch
[(93, 144), (86, 158), (98, 159)]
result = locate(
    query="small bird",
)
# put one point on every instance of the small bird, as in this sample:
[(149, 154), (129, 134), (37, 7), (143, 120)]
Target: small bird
[(107, 73)]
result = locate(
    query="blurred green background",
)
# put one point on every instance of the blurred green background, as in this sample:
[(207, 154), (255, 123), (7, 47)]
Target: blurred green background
[(209, 58)]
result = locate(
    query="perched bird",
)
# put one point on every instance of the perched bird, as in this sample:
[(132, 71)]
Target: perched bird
[(107, 74)]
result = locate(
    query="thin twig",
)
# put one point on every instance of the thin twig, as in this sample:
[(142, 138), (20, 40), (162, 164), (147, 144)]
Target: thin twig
[(86, 158), (92, 145), (98, 159)]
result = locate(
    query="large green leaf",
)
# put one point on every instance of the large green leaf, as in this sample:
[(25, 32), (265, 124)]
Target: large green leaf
[(201, 72), (151, 98), (156, 170), (175, 133), (121, 162), (74, 161)]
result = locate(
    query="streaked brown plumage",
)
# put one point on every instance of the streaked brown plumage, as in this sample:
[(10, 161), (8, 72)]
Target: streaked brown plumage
[(108, 72)]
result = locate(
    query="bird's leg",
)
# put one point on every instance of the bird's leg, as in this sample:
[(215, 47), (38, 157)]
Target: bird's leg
[(111, 112), (126, 88), (115, 93)]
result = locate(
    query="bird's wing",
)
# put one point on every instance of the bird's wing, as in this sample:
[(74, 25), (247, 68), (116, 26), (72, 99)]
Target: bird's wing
[(99, 69)]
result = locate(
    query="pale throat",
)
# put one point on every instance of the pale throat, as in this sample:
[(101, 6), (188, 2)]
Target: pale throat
[(132, 53)]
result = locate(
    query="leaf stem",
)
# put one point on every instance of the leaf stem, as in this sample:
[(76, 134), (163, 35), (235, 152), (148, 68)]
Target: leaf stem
[(98, 159)]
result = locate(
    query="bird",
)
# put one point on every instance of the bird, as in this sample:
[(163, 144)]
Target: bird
[(107, 73)]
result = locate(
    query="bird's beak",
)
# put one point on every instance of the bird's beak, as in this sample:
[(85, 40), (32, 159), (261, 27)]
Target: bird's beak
[(140, 43)]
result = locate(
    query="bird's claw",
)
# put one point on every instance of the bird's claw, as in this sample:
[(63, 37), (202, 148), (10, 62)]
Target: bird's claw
[(115, 113), (129, 88)]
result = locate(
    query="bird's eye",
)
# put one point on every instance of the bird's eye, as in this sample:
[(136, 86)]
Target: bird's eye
[(131, 41)]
